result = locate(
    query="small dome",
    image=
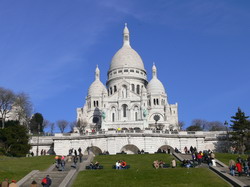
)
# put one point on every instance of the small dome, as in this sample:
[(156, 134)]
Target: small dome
[(126, 57), (97, 88), (155, 86)]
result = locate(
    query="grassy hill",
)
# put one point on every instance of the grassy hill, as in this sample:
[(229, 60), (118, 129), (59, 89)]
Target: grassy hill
[(143, 174), (17, 168)]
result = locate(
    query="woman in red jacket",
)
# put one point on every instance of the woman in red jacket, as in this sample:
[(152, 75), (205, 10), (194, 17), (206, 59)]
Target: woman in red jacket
[(239, 168)]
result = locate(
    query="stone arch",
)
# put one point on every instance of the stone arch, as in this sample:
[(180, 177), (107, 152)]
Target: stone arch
[(130, 149), (94, 149), (166, 148)]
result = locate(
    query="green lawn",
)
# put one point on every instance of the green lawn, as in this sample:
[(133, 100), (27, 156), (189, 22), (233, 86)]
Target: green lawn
[(17, 168), (142, 173), (225, 157)]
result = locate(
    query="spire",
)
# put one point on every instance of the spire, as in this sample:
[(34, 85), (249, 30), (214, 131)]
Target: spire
[(154, 71), (126, 35), (97, 73)]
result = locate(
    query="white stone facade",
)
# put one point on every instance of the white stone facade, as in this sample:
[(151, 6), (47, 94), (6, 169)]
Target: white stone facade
[(129, 101)]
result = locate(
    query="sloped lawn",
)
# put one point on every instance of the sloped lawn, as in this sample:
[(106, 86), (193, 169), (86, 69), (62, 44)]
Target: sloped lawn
[(143, 174), (17, 168)]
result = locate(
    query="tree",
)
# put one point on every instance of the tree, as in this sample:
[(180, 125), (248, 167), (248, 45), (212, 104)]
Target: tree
[(72, 125), (52, 128), (216, 126), (181, 124), (197, 125), (62, 124), (36, 123), (240, 130), (7, 99), (81, 125), (23, 107), (14, 140), (194, 128)]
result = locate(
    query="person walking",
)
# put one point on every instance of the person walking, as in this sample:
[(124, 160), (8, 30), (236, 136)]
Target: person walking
[(46, 182), (239, 168), (232, 167)]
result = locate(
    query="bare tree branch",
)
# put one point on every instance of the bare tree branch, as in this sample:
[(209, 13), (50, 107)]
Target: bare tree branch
[(62, 124)]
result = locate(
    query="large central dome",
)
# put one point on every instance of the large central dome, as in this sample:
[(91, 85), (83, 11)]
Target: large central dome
[(126, 56)]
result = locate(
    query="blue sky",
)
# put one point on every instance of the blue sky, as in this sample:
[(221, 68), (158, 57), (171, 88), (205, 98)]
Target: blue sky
[(49, 49)]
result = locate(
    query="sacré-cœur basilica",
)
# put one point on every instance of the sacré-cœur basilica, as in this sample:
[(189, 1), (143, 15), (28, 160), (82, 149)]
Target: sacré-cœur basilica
[(129, 114)]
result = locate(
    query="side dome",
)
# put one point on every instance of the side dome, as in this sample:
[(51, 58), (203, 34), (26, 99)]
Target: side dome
[(155, 86), (97, 89), (126, 56)]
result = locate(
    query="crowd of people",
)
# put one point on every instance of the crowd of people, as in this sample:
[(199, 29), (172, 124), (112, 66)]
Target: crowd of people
[(241, 166)]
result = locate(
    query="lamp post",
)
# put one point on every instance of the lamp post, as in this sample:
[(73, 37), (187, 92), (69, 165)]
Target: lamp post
[(37, 147), (156, 118), (227, 137)]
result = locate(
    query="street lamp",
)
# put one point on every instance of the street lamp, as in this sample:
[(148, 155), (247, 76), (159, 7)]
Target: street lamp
[(227, 137), (37, 147), (156, 118)]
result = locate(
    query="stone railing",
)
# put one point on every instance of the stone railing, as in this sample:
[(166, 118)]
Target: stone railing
[(214, 134)]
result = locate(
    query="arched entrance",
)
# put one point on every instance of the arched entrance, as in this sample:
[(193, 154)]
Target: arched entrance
[(166, 149), (95, 150), (130, 149)]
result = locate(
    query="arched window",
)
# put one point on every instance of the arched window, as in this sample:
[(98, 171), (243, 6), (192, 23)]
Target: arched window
[(94, 103), (136, 117), (115, 89), (138, 89), (154, 102), (113, 117), (133, 87), (124, 91), (97, 104), (124, 110), (157, 101), (149, 102), (111, 91)]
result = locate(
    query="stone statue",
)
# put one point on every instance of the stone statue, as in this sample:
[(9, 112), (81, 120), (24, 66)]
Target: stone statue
[(103, 115), (145, 112)]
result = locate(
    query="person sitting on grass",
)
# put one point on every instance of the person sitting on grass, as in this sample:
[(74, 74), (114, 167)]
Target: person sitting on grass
[(91, 165), (161, 164), (123, 164), (173, 163), (156, 164), (117, 165), (97, 165)]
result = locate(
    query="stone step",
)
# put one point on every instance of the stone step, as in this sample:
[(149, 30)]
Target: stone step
[(56, 177)]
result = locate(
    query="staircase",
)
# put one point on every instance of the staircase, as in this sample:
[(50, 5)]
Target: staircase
[(58, 178)]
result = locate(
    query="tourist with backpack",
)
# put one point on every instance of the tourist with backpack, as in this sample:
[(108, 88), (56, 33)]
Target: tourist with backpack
[(46, 182)]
